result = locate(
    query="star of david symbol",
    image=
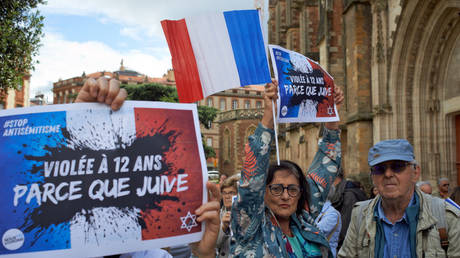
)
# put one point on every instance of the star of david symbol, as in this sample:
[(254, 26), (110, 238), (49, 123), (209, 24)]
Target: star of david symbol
[(190, 224), (330, 111)]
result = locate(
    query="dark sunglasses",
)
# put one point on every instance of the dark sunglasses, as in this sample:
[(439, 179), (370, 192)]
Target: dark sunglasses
[(278, 189), (396, 166)]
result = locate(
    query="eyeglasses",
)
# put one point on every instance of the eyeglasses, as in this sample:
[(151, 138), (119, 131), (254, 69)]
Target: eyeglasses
[(229, 193), (278, 189), (396, 166)]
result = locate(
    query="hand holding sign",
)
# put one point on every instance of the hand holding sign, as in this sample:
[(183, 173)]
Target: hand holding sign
[(338, 100), (338, 96), (270, 96), (209, 213), (103, 91)]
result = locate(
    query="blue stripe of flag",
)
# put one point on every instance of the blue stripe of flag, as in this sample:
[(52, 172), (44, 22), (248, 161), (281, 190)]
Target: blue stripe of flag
[(453, 203), (248, 46)]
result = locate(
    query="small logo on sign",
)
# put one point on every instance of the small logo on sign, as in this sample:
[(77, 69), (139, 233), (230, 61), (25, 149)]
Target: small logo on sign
[(13, 239), (284, 110)]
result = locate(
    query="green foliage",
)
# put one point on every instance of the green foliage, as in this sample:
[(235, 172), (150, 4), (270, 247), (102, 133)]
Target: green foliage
[(20, 35), (207, 115), (151, 92), (72, 96), (159, 92), (208, 150)]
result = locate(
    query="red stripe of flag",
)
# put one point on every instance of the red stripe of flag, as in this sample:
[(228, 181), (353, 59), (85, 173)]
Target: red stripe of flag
[(183, 60)]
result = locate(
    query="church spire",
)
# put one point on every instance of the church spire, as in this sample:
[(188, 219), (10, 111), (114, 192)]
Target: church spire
[(122, 68)]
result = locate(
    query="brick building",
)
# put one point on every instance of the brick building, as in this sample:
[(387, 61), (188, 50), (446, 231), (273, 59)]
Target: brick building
[(398, 63), (239, 113), (38, 100), (16, 98)]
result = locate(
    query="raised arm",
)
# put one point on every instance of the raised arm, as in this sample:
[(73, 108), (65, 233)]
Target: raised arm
[(326, 162), (247, 211)]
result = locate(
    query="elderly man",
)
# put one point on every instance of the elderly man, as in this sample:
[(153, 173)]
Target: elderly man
[(425, 186), (443, 188), (400, 221)]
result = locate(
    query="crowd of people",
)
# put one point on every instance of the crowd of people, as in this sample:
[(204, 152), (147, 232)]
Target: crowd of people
[(280, 210)]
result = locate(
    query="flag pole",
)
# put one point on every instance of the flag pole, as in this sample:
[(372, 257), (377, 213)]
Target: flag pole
[(275, 128)]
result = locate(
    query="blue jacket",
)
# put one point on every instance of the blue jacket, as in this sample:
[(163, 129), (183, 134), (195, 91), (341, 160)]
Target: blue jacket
[(254, 234)]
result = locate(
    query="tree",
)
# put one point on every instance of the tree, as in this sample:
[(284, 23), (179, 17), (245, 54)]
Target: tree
[(20, 35), (152, 92), (206, 115), (159, 92)]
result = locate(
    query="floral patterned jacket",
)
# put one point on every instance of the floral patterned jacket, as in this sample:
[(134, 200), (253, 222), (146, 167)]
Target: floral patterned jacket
[(254, 231)]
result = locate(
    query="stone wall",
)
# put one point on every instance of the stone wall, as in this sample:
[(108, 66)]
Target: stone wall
[(397, 62)]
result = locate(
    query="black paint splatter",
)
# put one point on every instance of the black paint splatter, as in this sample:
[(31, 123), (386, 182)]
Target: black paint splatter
[(159, 142)]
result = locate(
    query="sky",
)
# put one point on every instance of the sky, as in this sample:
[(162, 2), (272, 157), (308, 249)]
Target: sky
[(95, 35)]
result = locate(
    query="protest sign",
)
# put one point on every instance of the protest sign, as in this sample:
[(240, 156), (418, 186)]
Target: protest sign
[(81, 180), (305, 89)]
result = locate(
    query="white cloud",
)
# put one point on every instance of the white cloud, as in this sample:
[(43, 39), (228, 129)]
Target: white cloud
[(132, 32), (63, 59), (143, 14)]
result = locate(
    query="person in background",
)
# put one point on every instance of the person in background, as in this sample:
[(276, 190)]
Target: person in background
[(228, 190), (346, 195), (454, 198), (109, 92), (329, 222), (425, 187), (358, 185), (443, 188), (374, 192)]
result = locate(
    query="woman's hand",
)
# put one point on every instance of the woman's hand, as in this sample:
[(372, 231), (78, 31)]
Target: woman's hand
[(270, 95), (102, 90), (338, 99), (208, 213)]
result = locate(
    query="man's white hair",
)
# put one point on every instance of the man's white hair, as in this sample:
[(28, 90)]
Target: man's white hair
[(442, 179)]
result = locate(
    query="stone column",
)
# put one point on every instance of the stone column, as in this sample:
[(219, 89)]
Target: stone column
[(357, 21)]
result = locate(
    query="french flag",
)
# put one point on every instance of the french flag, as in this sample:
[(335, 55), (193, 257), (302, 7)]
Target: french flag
[(215, 52)]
